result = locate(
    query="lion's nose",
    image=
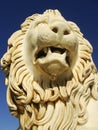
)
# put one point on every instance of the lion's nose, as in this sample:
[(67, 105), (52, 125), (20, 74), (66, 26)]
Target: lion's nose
[(60, 28)]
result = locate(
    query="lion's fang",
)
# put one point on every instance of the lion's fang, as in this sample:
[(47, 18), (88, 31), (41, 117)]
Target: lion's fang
[(45, 50)]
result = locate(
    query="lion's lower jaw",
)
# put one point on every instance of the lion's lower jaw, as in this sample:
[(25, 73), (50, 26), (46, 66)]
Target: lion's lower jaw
[(51, 116)]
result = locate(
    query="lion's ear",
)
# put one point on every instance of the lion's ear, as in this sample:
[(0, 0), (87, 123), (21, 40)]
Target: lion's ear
[(7, 57), (5, 62), (75, 28)]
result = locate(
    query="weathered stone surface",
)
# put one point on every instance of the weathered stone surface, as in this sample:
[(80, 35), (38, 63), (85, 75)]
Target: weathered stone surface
[(51, 77)]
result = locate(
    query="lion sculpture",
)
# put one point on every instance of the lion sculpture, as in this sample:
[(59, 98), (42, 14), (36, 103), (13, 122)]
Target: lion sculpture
[(51, 77)]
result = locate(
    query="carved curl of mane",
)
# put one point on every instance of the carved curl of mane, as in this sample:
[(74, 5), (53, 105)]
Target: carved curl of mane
[(36, 105)]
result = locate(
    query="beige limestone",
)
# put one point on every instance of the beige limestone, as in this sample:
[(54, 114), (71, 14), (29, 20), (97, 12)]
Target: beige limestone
[(51, 77)]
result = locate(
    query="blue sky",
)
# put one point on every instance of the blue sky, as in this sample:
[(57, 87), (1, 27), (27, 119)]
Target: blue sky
[(13, 13)]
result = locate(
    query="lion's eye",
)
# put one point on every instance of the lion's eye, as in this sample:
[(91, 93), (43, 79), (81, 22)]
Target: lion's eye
[(55, 30), (66, 32)]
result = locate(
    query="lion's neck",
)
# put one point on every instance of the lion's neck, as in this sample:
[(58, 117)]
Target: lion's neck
[(54, 112)]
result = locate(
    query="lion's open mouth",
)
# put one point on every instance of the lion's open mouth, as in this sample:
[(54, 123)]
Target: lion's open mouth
[(50, 50)]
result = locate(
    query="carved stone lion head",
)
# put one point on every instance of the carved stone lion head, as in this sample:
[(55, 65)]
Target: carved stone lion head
[(50, 73)]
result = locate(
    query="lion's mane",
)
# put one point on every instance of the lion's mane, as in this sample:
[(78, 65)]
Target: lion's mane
[(36, 103)]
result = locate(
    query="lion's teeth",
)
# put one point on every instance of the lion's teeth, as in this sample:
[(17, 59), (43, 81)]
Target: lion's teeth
[(64, 55), (49, 51), (45, 50)]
